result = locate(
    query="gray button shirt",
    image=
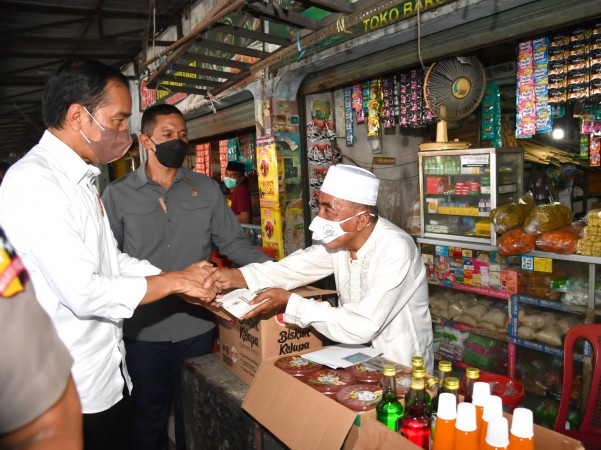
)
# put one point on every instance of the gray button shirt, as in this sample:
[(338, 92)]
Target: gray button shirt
[(172, 229)]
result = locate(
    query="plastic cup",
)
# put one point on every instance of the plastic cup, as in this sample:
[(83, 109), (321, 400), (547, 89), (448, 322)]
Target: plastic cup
[(497, 435), (447, 406), (493, 408), (481, 393), (466, 417), (521, 424)]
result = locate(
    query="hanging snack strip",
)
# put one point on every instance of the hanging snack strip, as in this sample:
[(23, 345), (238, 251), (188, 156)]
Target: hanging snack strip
[(491, 115), (223, 157), (349, 124), (357, 102), (526, 113), (365, 97), (558, 68), (390, 118), (374, 108), (540, 59), (595, 60), (578, 64), (203, 159)]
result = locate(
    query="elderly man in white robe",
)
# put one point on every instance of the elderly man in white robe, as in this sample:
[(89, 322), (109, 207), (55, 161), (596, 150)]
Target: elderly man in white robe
[(380, 277)]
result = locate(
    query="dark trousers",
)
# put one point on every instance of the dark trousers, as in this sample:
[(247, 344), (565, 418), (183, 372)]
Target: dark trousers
[(110, 429), (156, 372)]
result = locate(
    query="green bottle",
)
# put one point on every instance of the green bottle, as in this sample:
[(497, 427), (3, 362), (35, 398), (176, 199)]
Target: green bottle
[(389, 410)]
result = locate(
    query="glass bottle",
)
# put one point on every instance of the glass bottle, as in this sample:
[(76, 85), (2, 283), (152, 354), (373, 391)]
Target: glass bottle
[(451, 385), (444, 370), (430, 393), (415, 425), (389, 410), (417, 361), (471, 376), (417, 372)]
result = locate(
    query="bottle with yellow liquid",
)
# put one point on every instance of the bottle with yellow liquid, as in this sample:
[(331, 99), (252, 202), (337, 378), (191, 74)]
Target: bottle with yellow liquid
[(493, 408), (522, 432), (446, 414), (497, 436), (466, 432)]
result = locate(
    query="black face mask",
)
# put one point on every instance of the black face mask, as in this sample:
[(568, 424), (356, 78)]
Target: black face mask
[(171, 153)]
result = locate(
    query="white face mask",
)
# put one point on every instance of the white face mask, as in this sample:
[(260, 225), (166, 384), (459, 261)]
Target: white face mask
[(327, 230)]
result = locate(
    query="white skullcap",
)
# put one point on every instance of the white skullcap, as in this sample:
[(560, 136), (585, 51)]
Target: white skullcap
[(351, 183)]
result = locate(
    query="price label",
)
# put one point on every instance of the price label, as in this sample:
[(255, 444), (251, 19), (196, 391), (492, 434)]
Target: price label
[(527, 263), (543, 265)]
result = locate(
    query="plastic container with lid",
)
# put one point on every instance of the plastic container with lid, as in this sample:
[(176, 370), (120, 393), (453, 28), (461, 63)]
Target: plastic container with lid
[(362, 375), (360, 397), (329, 381), (297, 366)]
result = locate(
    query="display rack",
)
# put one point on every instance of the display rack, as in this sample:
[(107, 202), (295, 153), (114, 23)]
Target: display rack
[(516, 301), (459, 188)]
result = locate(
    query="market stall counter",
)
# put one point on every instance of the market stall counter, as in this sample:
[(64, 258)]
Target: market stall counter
[(212, 409)]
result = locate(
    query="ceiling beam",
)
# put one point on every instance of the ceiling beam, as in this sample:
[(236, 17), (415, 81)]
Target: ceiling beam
[(47, 43), (282, 15), (235, 49), (185, 90), (21, 7), (203, 71), (44, 26), (191, 82), (198, 57), (342, 6), (251, 34)]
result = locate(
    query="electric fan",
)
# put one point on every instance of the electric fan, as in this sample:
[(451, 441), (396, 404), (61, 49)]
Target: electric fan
[(453, 88)]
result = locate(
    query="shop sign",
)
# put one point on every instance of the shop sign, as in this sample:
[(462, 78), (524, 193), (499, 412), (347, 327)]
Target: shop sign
[(400, 11)]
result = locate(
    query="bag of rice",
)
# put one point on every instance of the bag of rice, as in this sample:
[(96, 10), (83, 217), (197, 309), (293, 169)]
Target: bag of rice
[(533, 321), (525, 332), (496, 317), (549, 335)]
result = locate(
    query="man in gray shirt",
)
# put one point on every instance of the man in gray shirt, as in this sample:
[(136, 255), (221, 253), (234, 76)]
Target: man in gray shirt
[(168, 215)]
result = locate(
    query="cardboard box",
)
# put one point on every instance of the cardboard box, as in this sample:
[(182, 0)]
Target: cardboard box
[(245, 344), (303, 418)]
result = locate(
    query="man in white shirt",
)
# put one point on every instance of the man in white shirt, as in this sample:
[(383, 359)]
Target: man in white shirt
[(52, 213), (381, 280)]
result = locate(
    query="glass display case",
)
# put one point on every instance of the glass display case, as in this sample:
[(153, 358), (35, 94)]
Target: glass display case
[(459, 188)]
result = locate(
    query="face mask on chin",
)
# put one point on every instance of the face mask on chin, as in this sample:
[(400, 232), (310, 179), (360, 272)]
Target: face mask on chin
[(171, 153), (112, 144), (327, 231)]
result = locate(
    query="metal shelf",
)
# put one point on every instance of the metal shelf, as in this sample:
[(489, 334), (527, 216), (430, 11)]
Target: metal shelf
[(549, 349), (472, 329), (575, 258), (504, 295), (451, 243), (550, 304)]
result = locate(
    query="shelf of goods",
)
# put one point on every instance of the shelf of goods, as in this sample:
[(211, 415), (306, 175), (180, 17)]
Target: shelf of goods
[(459, 188), (457, 269)]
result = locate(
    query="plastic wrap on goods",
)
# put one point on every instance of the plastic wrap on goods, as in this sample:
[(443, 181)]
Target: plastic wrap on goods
[(547, 218)]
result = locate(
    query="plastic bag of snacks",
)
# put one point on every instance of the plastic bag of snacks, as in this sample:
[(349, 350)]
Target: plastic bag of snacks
[(547, 218), (563, 240), (590, 244), (511, 216), (516, 242)]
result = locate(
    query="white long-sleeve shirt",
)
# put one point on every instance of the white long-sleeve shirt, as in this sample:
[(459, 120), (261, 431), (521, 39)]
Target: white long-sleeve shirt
[(383, 294), (51, 212)]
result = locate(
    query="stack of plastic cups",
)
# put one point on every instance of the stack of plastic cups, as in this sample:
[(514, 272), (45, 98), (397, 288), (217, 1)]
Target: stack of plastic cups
[(445, 422), (497, 435), (466, 431), (479, 397), (493, 409), (522, 432)]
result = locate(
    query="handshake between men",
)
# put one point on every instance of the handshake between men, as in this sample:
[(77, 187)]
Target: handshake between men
[(218, 279)]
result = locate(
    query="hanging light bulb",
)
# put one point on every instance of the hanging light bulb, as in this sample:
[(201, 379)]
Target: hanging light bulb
[(558, 133)]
